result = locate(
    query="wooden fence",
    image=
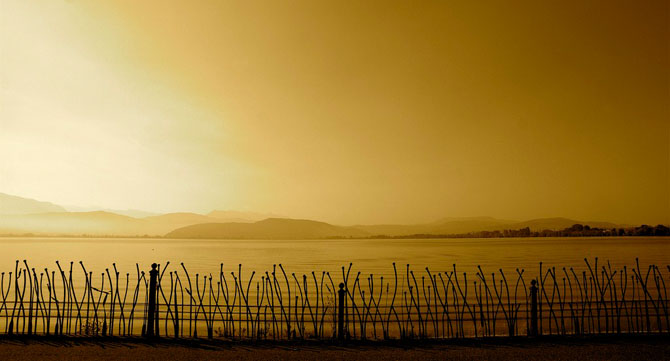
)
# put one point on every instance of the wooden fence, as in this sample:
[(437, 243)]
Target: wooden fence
[(170, 302)]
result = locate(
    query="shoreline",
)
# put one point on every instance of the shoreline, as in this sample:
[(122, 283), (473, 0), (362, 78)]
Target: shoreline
[(599, 347), (421, 237)]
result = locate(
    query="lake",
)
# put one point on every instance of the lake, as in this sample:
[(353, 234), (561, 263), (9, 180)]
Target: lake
[(303, 256), (460, 308)]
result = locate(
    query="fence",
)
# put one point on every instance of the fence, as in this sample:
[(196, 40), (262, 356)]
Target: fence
[(446, 304)]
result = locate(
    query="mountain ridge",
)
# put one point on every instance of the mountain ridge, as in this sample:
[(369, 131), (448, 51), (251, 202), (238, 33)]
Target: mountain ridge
[(271, 228), (10, 204), (241, 216), (285, 228), (27, 216)]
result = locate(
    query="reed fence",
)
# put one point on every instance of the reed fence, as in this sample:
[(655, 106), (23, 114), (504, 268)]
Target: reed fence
[(168, 301)]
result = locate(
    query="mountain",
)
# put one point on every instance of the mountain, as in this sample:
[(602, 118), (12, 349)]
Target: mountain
[(135, 213), (28, 216), (164, 223), (97, 223), (271, 228), (179, 217), (193, 225), (237, 216), (10, 204)]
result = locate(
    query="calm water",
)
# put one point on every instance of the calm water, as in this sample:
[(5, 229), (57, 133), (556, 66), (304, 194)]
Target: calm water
[(304, 256)]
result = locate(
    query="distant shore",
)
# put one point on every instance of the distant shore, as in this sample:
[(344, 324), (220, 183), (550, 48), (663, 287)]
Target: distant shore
[(576, 230)]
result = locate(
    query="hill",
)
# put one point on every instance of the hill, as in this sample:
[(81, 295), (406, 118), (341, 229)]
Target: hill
[(271, 228), (554, 224), (22, 216), (453, 226), (10, 204), (135, 213), (97, 223), (443, 226), (28, 216), (72, 223), (237, 216), (179, 217), (164, 223)]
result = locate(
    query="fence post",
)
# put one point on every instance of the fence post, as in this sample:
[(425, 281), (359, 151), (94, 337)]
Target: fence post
[(340, 313), (151, 313), (533, 308), (176, 316)]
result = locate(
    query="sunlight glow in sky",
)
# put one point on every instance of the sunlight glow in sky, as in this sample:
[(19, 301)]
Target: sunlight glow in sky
[(347, 112)]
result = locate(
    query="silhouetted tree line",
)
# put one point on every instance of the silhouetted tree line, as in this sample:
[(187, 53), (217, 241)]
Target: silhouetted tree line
[(576, 230)]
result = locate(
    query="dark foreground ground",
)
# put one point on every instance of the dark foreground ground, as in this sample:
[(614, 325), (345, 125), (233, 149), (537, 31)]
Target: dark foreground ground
[(639, 347)]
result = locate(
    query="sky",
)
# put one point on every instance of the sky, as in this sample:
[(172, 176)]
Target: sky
[(343, 111)]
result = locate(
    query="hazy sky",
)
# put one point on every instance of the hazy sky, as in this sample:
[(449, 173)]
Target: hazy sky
[(343, 111)]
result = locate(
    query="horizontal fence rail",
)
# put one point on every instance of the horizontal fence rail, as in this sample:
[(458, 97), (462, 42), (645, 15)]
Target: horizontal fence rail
[(170, 302)]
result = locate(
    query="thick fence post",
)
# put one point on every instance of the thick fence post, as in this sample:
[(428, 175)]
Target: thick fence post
[(533, 308), (340, 312), (176, 315), (151, 313)]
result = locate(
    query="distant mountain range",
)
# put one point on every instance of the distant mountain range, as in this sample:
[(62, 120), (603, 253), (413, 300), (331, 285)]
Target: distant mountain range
[(244, 217), (18, 205), (20, 216), (271, 228), (135, 213), (98, 223), (282, 228)]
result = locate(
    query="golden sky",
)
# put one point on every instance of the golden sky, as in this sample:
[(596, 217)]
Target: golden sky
[(342, 111)]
